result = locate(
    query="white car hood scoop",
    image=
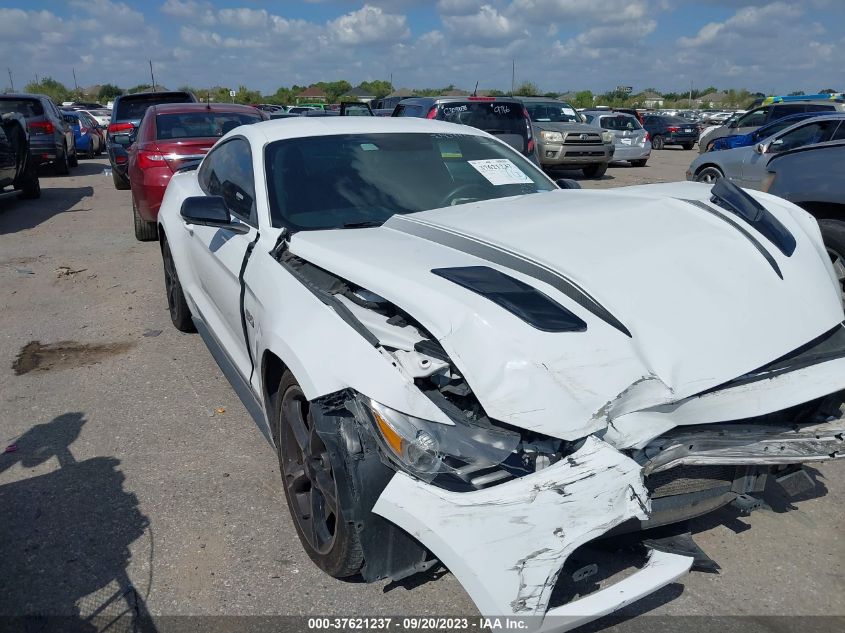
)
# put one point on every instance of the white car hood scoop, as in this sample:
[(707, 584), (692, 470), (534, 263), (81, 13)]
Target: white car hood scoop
[(657, 280)]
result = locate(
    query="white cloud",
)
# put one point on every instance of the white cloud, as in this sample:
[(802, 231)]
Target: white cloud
[(487, 26), (369, 25)]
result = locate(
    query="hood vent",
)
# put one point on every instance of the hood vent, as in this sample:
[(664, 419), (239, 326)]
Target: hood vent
[(526, 302), (733, 199)]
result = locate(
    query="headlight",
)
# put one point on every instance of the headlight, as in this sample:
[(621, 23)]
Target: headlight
[(607, 137), (427, 449), (552, 137)]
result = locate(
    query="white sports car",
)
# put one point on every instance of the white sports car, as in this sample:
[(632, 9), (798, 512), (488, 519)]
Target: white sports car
[(457, 360)]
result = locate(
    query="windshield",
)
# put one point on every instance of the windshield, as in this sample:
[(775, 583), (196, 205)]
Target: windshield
[(326, 182), (132, 108), (200, 124), (26, 107), (620, 122), (499, 118), (552, 112)]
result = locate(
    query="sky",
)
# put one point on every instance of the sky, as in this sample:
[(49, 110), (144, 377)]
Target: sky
[(560, 45)]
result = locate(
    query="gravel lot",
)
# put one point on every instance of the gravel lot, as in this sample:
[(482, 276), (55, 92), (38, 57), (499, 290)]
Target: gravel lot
[(136, 464)]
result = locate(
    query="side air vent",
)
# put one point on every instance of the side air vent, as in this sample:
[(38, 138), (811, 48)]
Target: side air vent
[(733, 199), (518, 298)]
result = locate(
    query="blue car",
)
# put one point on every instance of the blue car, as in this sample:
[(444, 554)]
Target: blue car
[(763, 132), (86, 135)]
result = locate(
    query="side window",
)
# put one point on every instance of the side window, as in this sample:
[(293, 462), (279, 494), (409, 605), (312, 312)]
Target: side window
[(400, 110), (818, 107), (410, 110), (809, 134), (227, 172), (755, 118), (839, 135)]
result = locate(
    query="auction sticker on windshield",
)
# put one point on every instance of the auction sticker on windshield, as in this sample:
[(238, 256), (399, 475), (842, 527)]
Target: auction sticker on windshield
[(500, 171)]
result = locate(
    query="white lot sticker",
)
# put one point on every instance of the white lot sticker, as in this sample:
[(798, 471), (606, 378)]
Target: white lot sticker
[(568, 111), (626, 141), (500, 171)]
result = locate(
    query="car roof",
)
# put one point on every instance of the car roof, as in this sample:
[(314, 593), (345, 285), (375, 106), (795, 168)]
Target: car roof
[(301, 127), (177, 108), (147, 95), (444, 99)]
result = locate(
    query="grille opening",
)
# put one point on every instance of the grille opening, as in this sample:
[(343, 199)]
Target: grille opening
[(595, 566)]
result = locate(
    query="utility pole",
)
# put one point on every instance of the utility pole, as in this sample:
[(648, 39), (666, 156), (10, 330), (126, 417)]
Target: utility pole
[(391, 81), (690, 95), (513, 74), (152, 76), (11, 81), (75, 85)]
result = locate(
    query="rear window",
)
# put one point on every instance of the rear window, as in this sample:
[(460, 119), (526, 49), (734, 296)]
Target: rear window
[(552, 112), (621, 123), (26, 107), (501, 119), (132, 108), (70, 118), (200, 124)]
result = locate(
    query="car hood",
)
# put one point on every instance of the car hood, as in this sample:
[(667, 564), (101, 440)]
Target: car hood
[(679, 300)]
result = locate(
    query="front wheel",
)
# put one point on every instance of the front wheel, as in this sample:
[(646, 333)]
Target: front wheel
[(310, 481), (657, 142), (709, 175), (639, 163), (180, 314), (833, 234), (595, 171)]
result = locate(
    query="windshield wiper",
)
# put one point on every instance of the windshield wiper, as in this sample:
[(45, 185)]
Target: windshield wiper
[(362, 225)]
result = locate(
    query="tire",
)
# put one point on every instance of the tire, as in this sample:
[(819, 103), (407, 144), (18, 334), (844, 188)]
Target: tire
[(30, 185), (657, 142), (639, 163), (688, 146), (180, 314), (595, 171), (119, 183), (144, 231), (833, 233), (709, 174), (73, 159), (61, 166), (91, 153), (308, 479)]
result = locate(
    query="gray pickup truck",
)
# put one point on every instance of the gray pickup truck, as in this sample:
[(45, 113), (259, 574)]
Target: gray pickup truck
[(565, 141)]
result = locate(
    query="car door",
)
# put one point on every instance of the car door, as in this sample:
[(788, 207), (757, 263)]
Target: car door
[(754, 169), (218, 253)]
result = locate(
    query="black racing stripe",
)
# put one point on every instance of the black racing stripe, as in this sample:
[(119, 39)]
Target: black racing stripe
[(762, 249), (497, 255)]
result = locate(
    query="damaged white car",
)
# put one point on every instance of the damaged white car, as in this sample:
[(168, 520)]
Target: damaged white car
[(457, 360)]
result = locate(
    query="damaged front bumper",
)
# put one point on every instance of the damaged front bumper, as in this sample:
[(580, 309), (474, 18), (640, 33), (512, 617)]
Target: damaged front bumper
[(508, 544)]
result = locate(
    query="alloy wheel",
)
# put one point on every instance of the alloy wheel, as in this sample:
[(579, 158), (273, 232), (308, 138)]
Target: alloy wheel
[(307, 473), (170, 280), (708, 175)]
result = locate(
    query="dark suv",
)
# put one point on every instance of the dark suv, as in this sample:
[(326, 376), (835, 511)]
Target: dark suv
[(126, 115), (503, 117), (50, 136), (670, 130)]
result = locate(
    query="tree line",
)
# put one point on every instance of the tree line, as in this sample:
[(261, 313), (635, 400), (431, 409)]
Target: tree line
[(340, 91)]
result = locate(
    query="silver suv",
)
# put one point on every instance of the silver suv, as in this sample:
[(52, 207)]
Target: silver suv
[(565, 141)]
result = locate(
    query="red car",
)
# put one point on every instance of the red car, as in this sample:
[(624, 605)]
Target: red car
[(170, 136)]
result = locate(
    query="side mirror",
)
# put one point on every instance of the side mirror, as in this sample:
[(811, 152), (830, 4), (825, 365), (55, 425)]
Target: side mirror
[(567, 183), (210, 211), (760, 148), (732, 124)]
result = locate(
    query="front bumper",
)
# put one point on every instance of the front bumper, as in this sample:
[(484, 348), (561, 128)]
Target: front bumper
[(507, 544), (573, 156)]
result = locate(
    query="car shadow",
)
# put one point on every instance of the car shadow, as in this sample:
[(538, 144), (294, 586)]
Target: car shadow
[(20, 215), (66, 536), (89, 167), (575, 174)]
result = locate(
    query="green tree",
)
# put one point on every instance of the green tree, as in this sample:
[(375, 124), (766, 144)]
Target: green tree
[(139, 88), (334, 89), (379, 88), (583, 99), (108, 92), (796, 93), (828, 91), (527, 89), (495, 93), (50, 87), (246, 96), (550, 95)]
